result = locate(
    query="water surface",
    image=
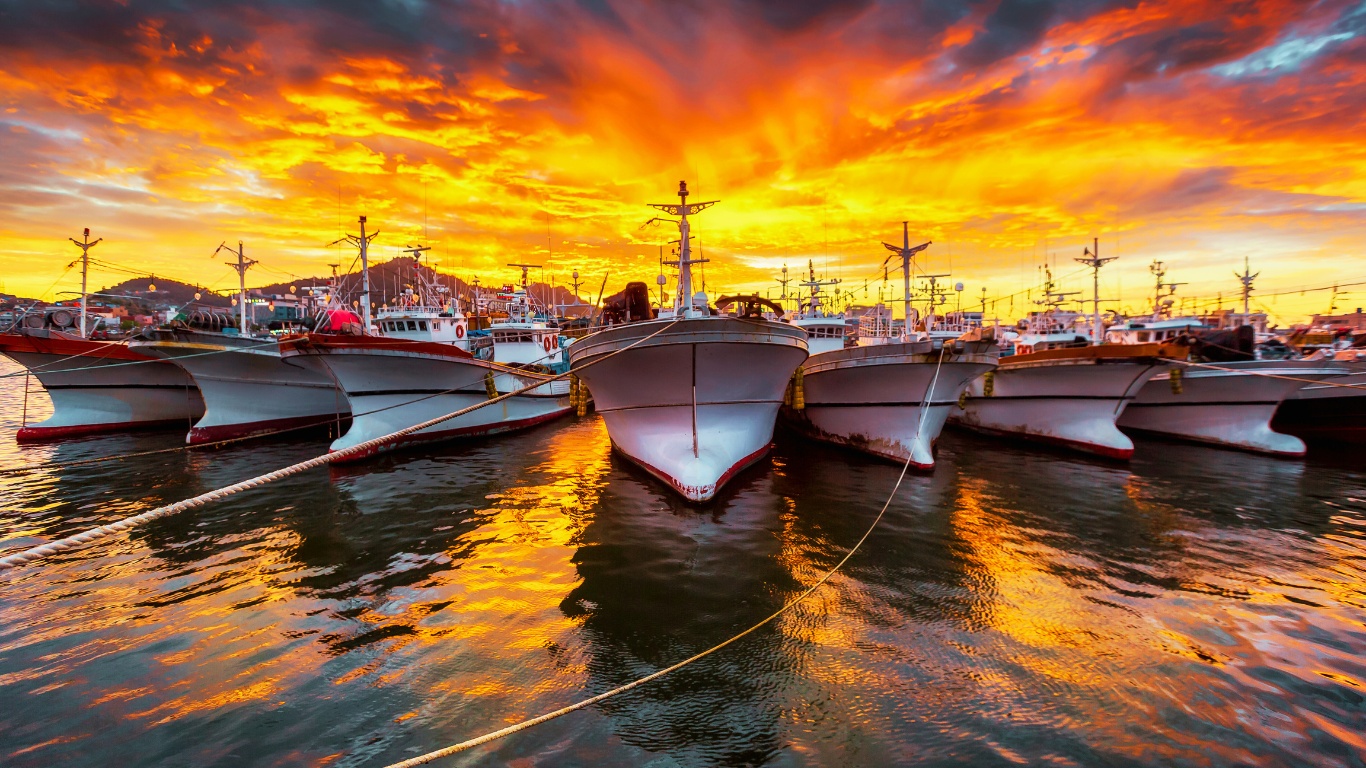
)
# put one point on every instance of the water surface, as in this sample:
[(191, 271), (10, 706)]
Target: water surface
[(1196, 607)]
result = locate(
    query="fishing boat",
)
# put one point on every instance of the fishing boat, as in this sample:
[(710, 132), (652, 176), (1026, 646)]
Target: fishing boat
[(422, 368), (1060, 386), (1328, 412), (96, 386), (692, 398), (1224, 396), (890, 398), (249, 389)]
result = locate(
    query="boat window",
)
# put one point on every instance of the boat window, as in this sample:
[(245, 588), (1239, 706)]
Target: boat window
[(1143, 336), (422, 325), (412, 325)]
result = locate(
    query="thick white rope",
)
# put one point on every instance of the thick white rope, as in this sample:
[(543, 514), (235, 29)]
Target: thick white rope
[(525, 724), (95, 534)]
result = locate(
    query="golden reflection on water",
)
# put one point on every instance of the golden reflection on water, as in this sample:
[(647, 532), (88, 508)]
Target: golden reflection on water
[(1009, 601)]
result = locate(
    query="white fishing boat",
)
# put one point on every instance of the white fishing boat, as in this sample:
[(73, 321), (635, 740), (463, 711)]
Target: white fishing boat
[(421, 369), (1327, 412), (1058, 387), (96, 386), (692, 398), (1225, 396), (249, 389), (890, 398)]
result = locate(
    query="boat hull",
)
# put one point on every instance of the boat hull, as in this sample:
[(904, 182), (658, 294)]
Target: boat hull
[(249, 390), (878, 399), (1069, 398), (697, 403), (98, 387), (1232, 407), (392, 386), (1323, 413)]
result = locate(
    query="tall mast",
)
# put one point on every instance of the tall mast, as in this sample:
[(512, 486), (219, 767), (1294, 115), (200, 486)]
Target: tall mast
[(907, 254), (814, 285), (362, 242), (685, 261), (1093, 260), (85, 245), (243, 263), (1246, 279)]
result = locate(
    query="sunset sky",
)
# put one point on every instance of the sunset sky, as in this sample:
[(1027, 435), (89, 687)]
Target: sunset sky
[(1192, 131)]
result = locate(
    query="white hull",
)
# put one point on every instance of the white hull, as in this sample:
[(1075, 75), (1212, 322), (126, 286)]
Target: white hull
[(99, 387), (248, 388), (1224, 407), (695, 404), (1073, 402), (392, 388), (878, 399)]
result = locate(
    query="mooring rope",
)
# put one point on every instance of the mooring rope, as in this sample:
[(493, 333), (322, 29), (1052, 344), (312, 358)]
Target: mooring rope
[(95, 534), (33, 468), (1326, 382), (526, 724)]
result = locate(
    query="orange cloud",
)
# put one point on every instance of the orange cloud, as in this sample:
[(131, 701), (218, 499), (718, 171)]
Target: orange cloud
[(1007, 130)]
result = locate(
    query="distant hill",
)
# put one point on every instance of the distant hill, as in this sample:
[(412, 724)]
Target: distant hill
[(138, 292), (388, 279)]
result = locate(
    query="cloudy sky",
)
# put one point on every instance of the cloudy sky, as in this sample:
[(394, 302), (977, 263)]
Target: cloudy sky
[(1196, 132)]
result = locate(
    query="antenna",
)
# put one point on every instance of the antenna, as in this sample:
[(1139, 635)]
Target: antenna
[(362, 241), (85, 245), (242, 265), (1091, 258)]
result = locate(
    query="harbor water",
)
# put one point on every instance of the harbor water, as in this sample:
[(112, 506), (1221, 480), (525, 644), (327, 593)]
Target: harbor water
[(1193, 607)]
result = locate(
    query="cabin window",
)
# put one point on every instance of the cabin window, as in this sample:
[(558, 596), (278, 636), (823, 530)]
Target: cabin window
[(1143, 336), (422, 325)]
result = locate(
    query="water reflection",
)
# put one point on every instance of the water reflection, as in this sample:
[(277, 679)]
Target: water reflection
[(1196, 607)]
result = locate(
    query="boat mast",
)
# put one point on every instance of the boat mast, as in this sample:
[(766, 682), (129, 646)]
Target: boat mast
[(363, 242), (1246, 279), (907, 254), (815, 285), (85, 245), (685, 261), (243, 263), (1095, 262)]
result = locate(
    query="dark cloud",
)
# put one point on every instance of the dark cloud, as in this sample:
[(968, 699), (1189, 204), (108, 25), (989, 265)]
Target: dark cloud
[(1014, 27), (793, 15)]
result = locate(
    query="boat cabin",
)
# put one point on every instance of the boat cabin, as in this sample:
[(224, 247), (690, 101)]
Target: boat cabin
[(1148, 332)]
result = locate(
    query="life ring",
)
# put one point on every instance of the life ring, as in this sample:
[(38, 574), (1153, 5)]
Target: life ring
[(545, 342), (459, 331)]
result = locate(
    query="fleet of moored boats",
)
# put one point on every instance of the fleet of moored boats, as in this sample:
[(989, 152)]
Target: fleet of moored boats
[(692, 392)]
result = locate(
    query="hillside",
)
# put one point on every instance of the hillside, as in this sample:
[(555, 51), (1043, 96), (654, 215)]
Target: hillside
[(388, 279)]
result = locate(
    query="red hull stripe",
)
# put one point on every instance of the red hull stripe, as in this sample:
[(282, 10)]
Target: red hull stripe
[(720, 482), (37, 434), (322, 342), (95, 350)]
